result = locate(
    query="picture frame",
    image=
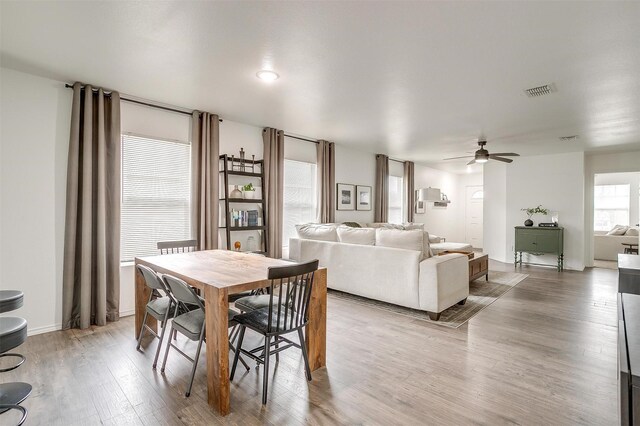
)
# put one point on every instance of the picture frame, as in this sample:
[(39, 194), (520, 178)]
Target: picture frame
[(421, 207), (363, 197), (345, 197)]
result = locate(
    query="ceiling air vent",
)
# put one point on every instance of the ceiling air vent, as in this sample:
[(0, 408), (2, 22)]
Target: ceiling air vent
[(568, 138), (534, 92)]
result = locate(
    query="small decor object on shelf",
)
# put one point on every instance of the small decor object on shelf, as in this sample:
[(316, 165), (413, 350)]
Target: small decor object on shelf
[(251, 244), (237, 245), (364, 197), (236, 193), (534, 210), (249, 191), (346, 197), (420, 207)]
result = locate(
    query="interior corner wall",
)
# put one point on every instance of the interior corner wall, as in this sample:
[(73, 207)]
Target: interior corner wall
[(602, 163), (36, 114), (355, 167), (441, 221), (494, 211)]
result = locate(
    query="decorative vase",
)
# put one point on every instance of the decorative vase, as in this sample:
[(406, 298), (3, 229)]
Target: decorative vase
[(236, 193), (528, 222)]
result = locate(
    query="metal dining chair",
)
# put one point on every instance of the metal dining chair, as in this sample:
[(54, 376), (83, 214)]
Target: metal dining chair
[(161, 305), (183, 246), (191, 324), (287, 312)]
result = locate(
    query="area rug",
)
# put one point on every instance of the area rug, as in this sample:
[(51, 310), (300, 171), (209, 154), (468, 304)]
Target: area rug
[(481, 294)]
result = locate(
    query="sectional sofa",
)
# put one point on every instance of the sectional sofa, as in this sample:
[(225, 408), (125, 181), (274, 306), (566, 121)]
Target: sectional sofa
[(391, 265)]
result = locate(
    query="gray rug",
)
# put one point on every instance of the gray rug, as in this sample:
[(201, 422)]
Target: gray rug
[(481, 294)]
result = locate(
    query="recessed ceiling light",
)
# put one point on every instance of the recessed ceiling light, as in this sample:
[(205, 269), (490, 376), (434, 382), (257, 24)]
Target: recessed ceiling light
[(267, 75)]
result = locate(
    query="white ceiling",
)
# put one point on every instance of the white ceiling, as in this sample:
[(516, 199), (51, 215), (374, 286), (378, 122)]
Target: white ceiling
[(416, 80)]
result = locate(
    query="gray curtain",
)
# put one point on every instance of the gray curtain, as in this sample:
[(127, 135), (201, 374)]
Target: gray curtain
[(409, 190), (326, 182), (91, 269), (274, 187), (205, 166), (381, 212)]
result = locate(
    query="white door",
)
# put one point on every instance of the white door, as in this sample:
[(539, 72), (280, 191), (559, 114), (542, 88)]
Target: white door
[(473, 216)]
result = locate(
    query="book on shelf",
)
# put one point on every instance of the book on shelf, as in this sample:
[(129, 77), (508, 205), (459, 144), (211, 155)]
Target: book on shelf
[(244, 218)]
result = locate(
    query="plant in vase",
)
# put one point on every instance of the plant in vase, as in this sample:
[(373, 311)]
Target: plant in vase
[(534, 210), (249, 191)]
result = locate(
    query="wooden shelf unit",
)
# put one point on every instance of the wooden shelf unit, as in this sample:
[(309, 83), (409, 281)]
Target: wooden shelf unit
[(225, 170)]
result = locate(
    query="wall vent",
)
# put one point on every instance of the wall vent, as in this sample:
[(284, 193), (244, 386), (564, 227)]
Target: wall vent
[(534, 92), (568, 138)]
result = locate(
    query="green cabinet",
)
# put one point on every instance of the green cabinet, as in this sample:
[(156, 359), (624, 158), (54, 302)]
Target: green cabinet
[(537, 240)]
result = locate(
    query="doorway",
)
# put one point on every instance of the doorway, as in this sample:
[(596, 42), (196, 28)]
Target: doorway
[(473, 216), (616, 204)]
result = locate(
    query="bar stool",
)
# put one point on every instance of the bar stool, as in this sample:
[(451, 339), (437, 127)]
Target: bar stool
[(13, 333)]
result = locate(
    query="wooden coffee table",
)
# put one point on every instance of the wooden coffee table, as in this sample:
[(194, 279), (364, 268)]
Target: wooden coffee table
[(478, 266)]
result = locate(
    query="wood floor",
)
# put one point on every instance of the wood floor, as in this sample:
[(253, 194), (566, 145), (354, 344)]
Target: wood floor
[(544, 353)]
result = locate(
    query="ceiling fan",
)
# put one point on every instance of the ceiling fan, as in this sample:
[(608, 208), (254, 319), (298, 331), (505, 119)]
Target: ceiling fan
[(482, 155)]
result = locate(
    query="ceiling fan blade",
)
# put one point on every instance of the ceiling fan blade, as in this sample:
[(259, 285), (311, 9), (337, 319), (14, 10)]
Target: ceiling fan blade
[(471, 162), (504, 160), (506, 154), (457, 158)]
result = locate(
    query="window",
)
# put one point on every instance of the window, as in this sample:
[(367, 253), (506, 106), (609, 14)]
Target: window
[(156, 192), (396, 200), (299, 197), (611, 206)]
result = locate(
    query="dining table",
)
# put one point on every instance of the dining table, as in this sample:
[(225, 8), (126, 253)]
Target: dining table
[(218, 274)]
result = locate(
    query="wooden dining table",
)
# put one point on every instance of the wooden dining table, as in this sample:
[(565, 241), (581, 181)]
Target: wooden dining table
[(219, 273)]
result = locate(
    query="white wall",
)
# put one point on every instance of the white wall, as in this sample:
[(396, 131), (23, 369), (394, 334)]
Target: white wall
[(554, 181), (602, 163), (356, 168), (494, 211), (34, 142)]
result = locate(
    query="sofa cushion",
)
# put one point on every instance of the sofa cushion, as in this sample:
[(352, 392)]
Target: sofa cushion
[(362, 236), (316, 231), (399, 238), (426, 246), (618, 230), (632, 232)]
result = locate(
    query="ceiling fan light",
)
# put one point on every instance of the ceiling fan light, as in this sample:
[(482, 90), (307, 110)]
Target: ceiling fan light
[(481, 160)]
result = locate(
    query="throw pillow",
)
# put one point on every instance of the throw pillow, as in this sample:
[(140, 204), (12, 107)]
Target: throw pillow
[(352, 224), (632, 232), (409, 226), (426, 246), (397, 238), (618, 230), (314, 231), (434, 239), (362, 236)]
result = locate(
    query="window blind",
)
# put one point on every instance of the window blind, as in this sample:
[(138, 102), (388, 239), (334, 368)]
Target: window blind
[(611, 206), (156, 192), (299, 197), (396, 200)]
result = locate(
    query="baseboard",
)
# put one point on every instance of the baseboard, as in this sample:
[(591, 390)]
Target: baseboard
[(127, 313), (45, 329)]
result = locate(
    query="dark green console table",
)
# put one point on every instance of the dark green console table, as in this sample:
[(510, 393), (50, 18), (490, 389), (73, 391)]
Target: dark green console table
[(537, 240)]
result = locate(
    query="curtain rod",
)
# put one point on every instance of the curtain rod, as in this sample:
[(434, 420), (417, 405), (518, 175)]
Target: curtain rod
[(148, 103), (301, 139)]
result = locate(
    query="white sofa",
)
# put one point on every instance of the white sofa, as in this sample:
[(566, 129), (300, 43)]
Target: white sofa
[(607, 247), (391, 275)]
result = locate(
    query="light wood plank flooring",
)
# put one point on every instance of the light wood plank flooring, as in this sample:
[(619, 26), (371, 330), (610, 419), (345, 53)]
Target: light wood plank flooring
[(544, 353)]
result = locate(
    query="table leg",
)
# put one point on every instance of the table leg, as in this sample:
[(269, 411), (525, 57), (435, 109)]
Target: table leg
[(142, 297), (217, 324), (316, 335)]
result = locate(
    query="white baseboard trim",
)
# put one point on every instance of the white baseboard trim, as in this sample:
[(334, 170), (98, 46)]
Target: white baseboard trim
[(44, 329), (127, 313)]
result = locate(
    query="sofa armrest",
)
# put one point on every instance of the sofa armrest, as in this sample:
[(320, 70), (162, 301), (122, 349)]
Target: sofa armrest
[(443, 281)]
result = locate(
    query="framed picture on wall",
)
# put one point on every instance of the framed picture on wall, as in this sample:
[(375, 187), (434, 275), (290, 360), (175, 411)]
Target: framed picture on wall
[(346, 197), (420, 207), (363, 197)]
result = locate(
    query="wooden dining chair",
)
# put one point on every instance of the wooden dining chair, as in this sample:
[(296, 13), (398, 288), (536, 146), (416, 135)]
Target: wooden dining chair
[(183, 246), (287, 312)]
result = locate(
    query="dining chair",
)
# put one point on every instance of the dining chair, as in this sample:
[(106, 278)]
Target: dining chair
[(192, 324), (183, 246), (287, 312), (161, 305)]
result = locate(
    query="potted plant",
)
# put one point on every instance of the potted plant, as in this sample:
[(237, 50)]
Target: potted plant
[(249, 191), (534, 210)]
